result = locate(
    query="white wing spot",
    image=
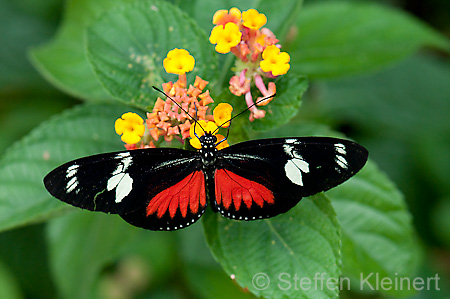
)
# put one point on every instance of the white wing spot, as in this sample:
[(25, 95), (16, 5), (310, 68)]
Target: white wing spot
[(292, 141), (340, 148), (125, 162), (294, 169), (123, 183), (72, 171), (295, 166), (341, 162), (288, 149), (71, 184)]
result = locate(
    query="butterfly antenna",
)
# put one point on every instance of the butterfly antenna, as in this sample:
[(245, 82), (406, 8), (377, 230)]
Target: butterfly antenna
[(194, 119), (226, 137), (248, 108)]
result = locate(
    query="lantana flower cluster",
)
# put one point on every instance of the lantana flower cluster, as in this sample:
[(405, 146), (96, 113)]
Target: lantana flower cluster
[(257, 51), (167, 121), (258, 56)]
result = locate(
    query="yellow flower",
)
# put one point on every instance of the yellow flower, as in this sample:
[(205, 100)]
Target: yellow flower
[(222, 144), (196, 129), (178, 61), (253, 19), (225, 37), (222, 113), (223, 16), (275, 62), (131, 127)]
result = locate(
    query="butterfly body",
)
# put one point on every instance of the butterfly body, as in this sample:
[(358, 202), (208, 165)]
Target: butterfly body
[(169, 189)]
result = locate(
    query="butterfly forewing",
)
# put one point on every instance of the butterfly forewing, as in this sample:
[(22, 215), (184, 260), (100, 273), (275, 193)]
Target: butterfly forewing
[(263, 178), (158, 189)]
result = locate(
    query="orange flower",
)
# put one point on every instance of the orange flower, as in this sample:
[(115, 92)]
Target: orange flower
[(167, 119), (223, 16)]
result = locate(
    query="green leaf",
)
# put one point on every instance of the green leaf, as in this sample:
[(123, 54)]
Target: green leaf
[(401, 115), (440, 221), (33, 109), (83, 131), (111, 256), (339, 39), (270, 257), (203, 274), (8, 284), (127, 45), (63, 61), (24, 252), (212, 282), (285, 105), (22, 25), (377, 231), (81, 244)]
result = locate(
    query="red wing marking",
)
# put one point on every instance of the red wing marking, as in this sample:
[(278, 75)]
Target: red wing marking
[(188, 193), (232, 188)]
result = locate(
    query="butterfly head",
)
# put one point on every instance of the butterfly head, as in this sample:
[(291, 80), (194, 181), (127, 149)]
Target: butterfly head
[(208, 141)]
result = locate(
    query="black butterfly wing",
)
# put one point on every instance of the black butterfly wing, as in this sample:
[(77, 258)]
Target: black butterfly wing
[(263, 178), (157, 189)]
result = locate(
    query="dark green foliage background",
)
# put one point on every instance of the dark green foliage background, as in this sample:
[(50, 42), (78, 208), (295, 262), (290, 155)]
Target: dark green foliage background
[(367, 70)]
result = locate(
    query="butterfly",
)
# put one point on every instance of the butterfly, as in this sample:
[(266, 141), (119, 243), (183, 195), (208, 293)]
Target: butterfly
[(170, 188)]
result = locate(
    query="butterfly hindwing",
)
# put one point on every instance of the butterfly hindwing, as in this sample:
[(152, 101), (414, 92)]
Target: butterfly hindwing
[(150, 188), (174, 207), (263, 178)]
